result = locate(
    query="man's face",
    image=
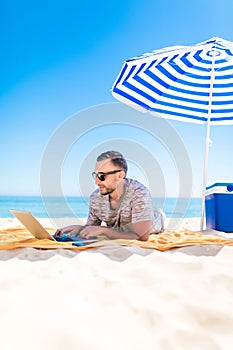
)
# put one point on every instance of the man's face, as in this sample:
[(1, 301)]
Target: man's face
[(111, 181)]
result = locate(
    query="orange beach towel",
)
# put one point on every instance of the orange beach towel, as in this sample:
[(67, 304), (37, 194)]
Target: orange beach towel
[(18, 237)]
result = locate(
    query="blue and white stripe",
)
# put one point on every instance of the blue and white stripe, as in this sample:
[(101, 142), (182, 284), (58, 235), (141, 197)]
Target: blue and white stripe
[(188, 83)]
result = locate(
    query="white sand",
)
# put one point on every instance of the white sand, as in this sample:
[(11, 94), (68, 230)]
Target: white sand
[(116, 298)]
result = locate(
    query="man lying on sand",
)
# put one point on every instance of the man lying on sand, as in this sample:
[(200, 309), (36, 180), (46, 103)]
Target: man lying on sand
[(123, 204)]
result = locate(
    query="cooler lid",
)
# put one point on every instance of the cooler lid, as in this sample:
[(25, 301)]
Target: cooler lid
[(220, 187)]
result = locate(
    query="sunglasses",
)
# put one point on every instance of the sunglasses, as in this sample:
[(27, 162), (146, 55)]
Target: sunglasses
[(102, 176)]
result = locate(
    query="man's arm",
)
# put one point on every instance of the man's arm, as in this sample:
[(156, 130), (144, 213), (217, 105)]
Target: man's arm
[(71, 230), (138, 230)]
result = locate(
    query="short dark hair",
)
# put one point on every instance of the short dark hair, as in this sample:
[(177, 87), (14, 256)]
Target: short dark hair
[(116, 158)]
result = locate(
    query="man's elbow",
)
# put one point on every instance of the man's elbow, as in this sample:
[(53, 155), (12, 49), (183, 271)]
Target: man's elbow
[(144, 237)]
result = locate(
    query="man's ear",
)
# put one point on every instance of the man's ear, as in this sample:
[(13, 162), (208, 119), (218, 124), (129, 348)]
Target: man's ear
[(122, 174)]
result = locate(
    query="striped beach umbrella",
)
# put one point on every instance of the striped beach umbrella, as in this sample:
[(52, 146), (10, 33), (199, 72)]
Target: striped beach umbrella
[(185, 83)]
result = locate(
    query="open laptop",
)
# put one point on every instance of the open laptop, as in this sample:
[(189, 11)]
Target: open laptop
[(39, 232)]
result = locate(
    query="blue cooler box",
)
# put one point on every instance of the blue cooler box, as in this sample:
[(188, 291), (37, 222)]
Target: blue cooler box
[(219, 207)]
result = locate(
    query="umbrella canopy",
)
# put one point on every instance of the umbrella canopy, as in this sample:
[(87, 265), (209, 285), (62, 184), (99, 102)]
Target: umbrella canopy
[(181, 82), (186, 83)]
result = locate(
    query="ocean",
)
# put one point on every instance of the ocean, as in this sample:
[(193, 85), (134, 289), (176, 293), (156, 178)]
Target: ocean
[(59, 207)]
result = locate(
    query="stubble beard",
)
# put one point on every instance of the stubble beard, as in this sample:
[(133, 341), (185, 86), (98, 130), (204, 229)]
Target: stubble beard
[(106, 191)]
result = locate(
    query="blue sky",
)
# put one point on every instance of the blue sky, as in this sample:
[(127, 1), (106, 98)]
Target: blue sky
[(60, 58)]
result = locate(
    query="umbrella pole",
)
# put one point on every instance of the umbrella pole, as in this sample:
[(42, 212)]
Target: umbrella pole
[(207, 144)]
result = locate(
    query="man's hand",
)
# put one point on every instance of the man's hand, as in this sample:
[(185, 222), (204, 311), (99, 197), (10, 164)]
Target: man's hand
[(69, 230)]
